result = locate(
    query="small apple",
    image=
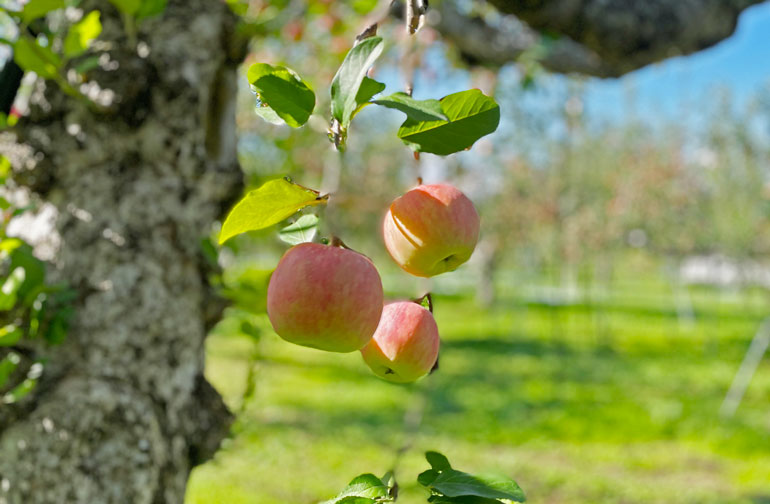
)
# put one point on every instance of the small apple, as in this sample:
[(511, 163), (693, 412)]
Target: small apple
[(325, 297), (405, 345), (431, 229)]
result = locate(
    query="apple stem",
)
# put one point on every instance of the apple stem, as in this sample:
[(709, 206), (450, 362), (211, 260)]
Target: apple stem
[(427, 297), (419, 180), (337, 242)]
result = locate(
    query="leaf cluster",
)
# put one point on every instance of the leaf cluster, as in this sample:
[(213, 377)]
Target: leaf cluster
[(451, 124), (446, 486)]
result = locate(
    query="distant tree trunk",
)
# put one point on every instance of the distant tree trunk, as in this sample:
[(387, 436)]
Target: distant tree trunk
[(123, 411), (489, 260)]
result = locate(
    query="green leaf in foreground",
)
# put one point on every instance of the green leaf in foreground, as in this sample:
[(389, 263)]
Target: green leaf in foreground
[(448, 485), (81, 34), (363, 489), (7, 366), (9, 291), (470, 116), (351, 76), (271, 203), (283, 92), (369, 88), (437, 461), (418, 110), (32, 57), (301, 231), (5, 168), (127, 7), (10, 335), (20, 391), (151, 8), (38, 8)]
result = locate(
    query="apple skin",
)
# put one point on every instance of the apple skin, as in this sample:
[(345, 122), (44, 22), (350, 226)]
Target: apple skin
[(325, 297), (405, 345), (431, 229)]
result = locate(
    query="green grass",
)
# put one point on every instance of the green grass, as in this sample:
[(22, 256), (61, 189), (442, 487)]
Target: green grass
[(611, 402)]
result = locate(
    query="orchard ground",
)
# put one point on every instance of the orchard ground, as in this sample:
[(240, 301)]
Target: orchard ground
[(612, 400)]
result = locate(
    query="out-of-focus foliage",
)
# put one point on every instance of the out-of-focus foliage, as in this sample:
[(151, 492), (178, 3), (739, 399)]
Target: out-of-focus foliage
[(30, 309)]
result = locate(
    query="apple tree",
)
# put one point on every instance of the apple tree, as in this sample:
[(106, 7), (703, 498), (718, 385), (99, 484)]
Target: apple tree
[(130, 141)]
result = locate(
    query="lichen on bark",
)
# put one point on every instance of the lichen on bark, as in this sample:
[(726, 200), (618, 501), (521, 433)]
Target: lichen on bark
[(123, 412)]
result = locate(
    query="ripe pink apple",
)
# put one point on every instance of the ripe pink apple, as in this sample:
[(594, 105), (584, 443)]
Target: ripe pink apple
[(431, 229), (405, 345), (325, 297)]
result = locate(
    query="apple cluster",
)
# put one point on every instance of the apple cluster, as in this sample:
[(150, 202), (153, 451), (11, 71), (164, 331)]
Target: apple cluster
[(330, 297)]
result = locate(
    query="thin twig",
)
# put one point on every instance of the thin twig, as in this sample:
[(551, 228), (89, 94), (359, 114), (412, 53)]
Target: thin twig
[(379, 15), (412, 16), (425, 297)]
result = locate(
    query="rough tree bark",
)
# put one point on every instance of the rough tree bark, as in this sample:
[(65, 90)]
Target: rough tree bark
[(123, 412), (606, 38)]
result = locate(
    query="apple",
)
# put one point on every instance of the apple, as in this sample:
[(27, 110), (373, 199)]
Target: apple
[(431, 229), (405, 345), (325, 297)]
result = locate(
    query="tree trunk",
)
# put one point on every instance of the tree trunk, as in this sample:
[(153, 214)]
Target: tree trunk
[(123, 412)]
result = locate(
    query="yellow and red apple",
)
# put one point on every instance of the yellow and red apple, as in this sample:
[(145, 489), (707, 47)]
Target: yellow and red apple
[(325, 297), (405, 345), (431, 229)]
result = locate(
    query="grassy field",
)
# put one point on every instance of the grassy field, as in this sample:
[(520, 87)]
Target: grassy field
[(613, 401)]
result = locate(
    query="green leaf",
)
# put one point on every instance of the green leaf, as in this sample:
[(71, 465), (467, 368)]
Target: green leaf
[(470, 114), (250, 330), (8, 366), (38, 8), (151, 8), (301, 231), (363, 489), (81, 34), (419, 110), (427, 477), (369, 87), (10, 335), (452, 483), (9, 292), (465, 499), (127, 7), (32, 57), (268, 114), (283, 91), (350, 77), (34, 270), (437, 461), (8, 245), (247, 289), (5, 168), (87, 64), (57, 329), (20, 391), (273, 202), (451, 486)]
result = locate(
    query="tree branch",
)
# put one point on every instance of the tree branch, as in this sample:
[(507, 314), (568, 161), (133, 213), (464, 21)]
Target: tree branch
[(629, 34), (481, 42)]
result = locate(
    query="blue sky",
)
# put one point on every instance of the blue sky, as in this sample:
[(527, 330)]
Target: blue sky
[(740, 63), (679, 90)]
